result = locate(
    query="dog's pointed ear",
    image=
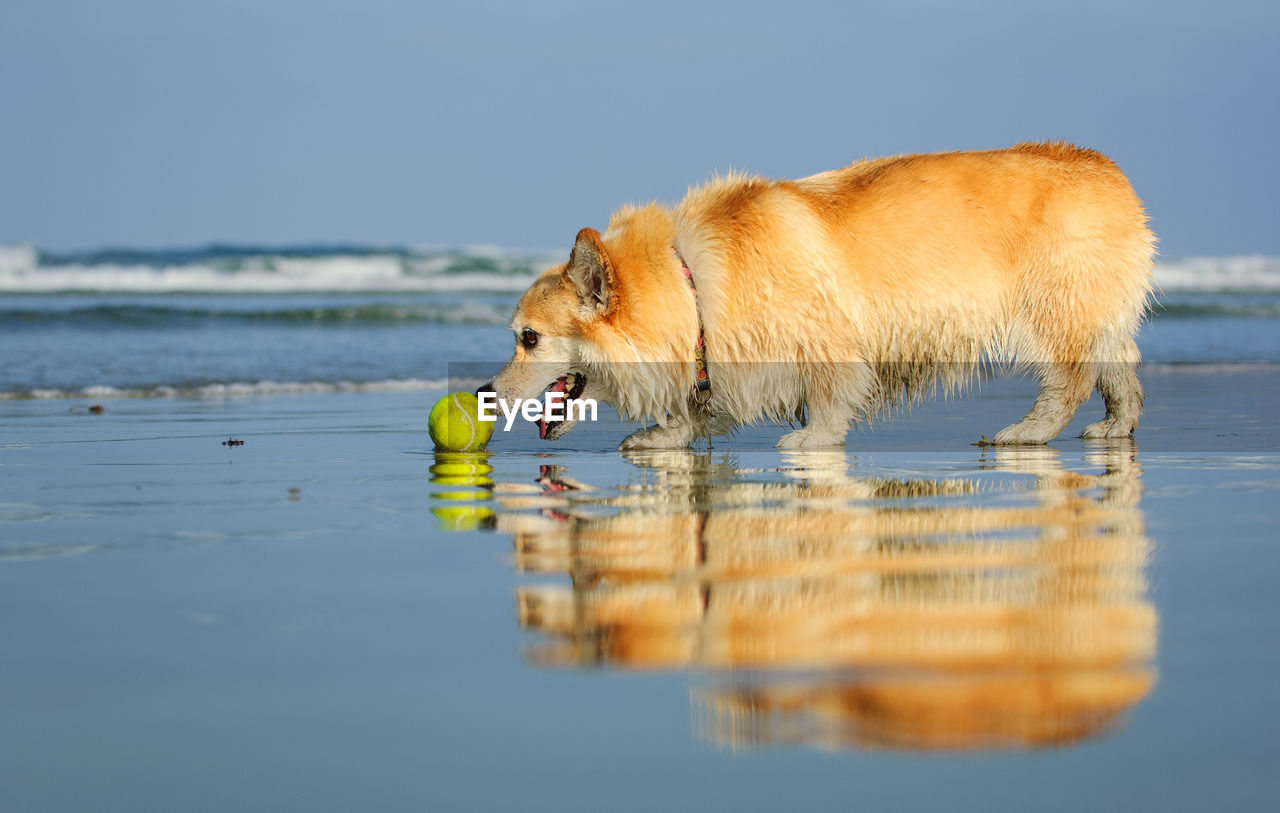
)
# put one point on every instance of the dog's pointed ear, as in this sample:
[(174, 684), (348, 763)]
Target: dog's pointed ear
[(590, 271)]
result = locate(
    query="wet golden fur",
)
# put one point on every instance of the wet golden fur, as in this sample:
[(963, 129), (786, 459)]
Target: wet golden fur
[(835, 295)]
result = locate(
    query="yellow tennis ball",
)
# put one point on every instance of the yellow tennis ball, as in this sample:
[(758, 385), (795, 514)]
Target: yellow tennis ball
[(455, 424)]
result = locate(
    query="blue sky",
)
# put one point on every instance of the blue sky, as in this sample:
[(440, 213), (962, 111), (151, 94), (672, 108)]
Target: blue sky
[(160, 122)]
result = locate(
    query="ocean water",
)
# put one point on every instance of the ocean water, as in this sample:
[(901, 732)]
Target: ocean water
[(223, 320), (335, 616)]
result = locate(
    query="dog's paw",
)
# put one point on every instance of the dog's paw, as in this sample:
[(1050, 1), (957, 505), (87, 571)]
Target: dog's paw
[(657, 437), (811, 437), (1023, 433), (1109, 428)]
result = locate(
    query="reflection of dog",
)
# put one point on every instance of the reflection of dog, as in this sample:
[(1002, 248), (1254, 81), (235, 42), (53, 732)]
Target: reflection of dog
[(833, 297), (984, 710), (935, 616)]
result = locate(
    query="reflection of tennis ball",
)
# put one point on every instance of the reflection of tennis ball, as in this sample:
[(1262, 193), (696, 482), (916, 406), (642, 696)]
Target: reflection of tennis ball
[(455, 424), (468, 480), (461, 495), (462, 472), (462, 469), (464, 517)]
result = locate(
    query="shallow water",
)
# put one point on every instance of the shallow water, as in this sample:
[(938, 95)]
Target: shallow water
[(332, 615)]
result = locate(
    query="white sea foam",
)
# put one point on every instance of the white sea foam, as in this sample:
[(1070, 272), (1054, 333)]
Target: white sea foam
[(484, 270), (16, 259), (1212, 274), (1212, 367), (233, 389), (345, 274), (474, 268)]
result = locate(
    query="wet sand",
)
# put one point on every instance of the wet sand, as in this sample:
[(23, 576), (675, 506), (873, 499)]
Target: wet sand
[(331, 615)]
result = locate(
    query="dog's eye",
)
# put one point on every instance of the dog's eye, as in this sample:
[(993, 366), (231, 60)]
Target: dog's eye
[(529, 338)]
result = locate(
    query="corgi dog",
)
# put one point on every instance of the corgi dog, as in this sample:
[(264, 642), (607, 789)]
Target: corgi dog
[(830, 299)]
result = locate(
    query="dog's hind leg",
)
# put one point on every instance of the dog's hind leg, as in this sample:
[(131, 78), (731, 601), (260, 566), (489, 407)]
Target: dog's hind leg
[(1064, 386), (677, 434), (1121, 392)]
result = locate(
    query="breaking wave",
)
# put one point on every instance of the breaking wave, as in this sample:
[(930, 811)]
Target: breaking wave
[(355, 268), (247, 269), (1247, 274), (134, 314), (230, 390)]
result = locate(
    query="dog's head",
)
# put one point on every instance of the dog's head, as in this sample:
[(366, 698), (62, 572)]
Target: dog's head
[(555, 324)]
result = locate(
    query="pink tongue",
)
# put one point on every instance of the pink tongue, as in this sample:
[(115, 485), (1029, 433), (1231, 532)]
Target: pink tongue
[(561, 385)]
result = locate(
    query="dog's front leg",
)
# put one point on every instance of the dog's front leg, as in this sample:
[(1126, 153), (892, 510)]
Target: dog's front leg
[(824, 429), (677, 434), (835, 395)]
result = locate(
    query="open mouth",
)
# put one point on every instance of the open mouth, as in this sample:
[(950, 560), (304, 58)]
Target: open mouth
[(572, 385)]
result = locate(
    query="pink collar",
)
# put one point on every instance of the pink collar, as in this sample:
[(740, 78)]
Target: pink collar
[(703, 383)]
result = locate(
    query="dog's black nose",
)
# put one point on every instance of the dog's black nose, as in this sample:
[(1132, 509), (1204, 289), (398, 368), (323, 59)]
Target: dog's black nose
[(486, 387)]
